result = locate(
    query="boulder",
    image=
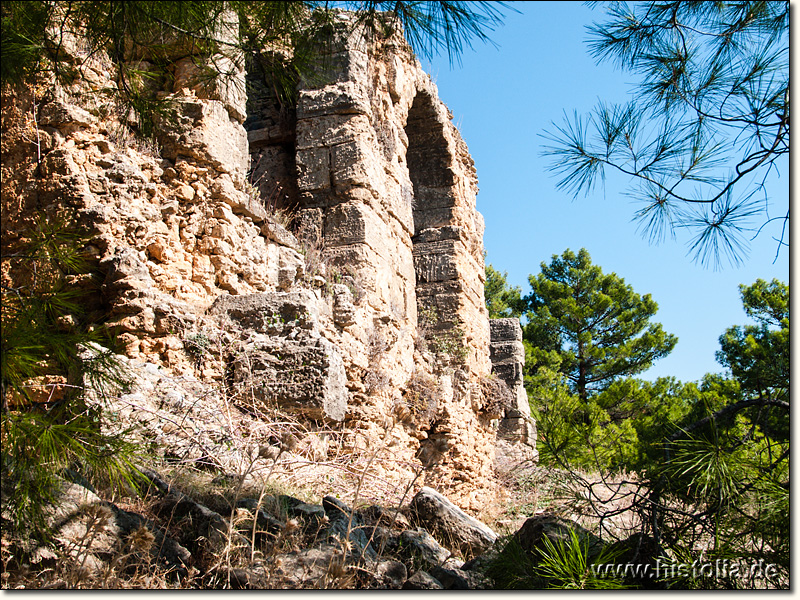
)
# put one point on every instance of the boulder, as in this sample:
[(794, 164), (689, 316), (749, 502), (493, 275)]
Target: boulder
[(533, 531), (420, 549), (343, 524), (453, 578), (457, 530), (422, 580), (96, 533)]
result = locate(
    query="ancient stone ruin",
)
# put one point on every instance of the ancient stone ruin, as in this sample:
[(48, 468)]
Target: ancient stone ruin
[(364, 315)]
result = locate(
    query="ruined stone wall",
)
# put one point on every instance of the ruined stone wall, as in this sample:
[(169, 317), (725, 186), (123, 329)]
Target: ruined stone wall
[(369, 318), (508, 360)]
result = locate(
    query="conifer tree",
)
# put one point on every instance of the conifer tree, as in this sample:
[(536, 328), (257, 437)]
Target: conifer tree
[(595, 323), (707, 126)]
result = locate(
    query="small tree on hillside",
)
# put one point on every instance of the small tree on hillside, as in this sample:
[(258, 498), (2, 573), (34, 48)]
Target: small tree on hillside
[(594, 323), (56, 371)]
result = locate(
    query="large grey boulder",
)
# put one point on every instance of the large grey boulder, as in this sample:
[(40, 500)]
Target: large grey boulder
[(453, 527), (531, 535), (421, 549), (422, 580)]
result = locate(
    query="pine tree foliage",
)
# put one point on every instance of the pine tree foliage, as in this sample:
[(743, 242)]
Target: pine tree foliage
[(599, 327), (708, 126), (711, 459), (51, 360), (143, 38), (502, 300)]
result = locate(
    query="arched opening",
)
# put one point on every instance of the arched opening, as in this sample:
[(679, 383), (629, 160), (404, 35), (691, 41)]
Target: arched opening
[(430, 168)]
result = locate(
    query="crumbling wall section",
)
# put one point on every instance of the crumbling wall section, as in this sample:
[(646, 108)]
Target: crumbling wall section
[(508, 360), (385, 248), (386, 196)]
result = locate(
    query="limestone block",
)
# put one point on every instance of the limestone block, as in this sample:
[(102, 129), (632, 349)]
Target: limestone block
[(518, 429), (420, 547), (258, 312), (59, 113), (343, 308), (268, 136), (204, 131), (509, 373), (330, 130), (432, 267), (229, 89), (347, 224), (426, 218), (126, 270), (305, 374), (240, 202), (358, 257), (504, 330), (497, 398), (353, 164), (440, 234), (507, 352), (313, 169), (342, 98), (422, 580)]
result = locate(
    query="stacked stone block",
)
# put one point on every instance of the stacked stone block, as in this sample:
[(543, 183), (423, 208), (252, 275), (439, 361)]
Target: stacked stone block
[(508, 359)]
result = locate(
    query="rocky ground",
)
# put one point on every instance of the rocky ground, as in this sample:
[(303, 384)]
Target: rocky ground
[(232, 499)]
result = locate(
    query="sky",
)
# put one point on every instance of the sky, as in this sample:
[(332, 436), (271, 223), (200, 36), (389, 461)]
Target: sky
[(503, 99)]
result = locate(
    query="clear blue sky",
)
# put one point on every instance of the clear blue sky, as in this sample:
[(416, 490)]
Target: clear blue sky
[(502, 100)]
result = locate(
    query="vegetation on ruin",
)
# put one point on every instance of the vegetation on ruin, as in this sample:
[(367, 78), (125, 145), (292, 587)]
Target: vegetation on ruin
[(284, 40), (703, 466)]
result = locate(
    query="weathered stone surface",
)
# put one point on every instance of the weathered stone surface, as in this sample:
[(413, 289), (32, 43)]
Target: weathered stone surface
[(497, 398), (421, 549), (453, 578), (203, 130), (390, 574), (313, 514), (422, 580), (269, 312), (455, 528), (508, 359), (344, 524), (316, 568), (557, 529), (343, 308), (305, 374)]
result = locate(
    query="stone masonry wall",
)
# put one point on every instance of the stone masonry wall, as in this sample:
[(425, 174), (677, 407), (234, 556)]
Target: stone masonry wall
[(368, 318), (508, 359)]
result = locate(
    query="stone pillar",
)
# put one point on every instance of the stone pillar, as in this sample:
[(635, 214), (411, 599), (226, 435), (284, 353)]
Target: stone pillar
[(508, 359)]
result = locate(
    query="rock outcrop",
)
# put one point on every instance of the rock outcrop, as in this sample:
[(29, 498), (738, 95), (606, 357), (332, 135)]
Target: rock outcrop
[(365, 314)]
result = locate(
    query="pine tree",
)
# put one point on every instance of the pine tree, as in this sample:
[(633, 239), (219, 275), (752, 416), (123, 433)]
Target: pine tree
[(595, 323), (707, 128)]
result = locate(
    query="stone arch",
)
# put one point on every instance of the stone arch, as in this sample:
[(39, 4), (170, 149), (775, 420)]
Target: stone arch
[(430, 160)]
